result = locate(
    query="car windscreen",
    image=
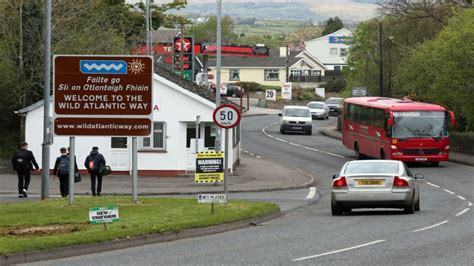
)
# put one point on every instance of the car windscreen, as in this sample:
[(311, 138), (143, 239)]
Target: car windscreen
[(296, 112), (333, 101), (316, 105), (419, 124), (372, 167)]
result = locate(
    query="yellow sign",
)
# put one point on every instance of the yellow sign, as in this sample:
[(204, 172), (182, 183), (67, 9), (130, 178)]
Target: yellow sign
[(209, 167)]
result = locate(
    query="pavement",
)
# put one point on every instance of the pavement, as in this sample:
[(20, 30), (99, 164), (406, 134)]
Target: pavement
[(457, 157)]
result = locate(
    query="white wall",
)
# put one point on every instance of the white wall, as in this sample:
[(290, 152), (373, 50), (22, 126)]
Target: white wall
[(320, 48), (176, 107)]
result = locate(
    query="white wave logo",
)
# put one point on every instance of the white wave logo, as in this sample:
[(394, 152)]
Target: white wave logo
[(103, 66)]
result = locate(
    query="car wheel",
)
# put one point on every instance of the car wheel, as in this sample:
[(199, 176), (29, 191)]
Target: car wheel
[(282, 131), (346, 209), (435, 163), (335, 210), (234, 95), (359, 156), (410, 208), (327, 117), (417, 205), (309, 132)]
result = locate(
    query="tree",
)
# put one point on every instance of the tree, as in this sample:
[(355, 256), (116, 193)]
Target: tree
[(440, 70), (332, 25), (207, 31), (303, 34)]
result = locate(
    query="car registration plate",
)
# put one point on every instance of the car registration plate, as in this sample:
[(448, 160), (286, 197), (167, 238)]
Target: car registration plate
[(369, 182), (297, 127), (421, 159)]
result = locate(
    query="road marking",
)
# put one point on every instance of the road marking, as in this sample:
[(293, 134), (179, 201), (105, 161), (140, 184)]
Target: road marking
[(461, 197), (340, 250), (469, 204), (298, 145), (429, 227), (449, 191), (251, 154), (462, 212), (259, 157), (431, 184), (312, 192)]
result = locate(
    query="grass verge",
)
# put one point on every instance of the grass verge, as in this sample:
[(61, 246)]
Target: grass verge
[(41, 225)]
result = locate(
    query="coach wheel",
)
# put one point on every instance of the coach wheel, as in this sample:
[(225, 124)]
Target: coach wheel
[(358, 155), (382, 155)]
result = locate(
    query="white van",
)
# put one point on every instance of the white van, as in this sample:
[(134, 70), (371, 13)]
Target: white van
[(296, 118)]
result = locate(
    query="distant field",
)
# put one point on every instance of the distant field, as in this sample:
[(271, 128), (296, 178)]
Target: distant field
[(269, 27)]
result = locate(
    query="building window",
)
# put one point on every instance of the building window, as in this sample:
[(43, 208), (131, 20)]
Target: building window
[(333, 51), (271, 74), (157, 139), (118, 143), (210, 132), (234, 75), (315, 73), (342, 52), (236, 135), (295, 73)]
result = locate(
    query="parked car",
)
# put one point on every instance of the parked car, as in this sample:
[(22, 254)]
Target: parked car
[(375, 184), (318, 110), (231, 90), (335, 105), (297, 119)]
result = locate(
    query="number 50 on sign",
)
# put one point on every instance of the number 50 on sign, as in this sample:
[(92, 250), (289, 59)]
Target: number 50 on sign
[(226, 116)]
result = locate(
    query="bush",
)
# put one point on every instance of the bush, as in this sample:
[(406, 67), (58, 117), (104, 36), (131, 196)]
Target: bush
[(254, 86), (306, 95), (462, 142), (334, 85)]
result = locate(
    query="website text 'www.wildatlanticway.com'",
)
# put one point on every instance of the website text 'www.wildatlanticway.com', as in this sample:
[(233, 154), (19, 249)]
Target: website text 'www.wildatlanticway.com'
[(102, 126)]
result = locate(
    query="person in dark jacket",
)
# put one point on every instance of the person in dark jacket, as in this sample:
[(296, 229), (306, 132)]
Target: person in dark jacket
[(93, 162), (61, 170), (23, 161)]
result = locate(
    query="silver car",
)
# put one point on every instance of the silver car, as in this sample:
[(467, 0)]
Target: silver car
[(318, 110), (375, 184)]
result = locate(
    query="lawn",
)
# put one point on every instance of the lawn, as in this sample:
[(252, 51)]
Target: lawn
[(40, 225)]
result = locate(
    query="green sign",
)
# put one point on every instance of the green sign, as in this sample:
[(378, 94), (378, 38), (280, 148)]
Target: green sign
[(188, 74), (103, 215)]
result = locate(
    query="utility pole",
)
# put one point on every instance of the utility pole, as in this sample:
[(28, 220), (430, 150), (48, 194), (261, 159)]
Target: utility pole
[(287, 63), (381, 58), (46, 94), (218, 69)]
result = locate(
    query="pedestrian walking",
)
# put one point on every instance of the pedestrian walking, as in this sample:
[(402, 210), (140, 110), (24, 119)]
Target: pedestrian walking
[(23, 162), (61, 170), (93, 163)]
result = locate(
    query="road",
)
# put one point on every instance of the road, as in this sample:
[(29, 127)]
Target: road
[(440, 234)]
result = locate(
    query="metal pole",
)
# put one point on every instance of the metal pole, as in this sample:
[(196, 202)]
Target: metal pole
[(381, 59), (218, 68), (72, 169), (134, 171), (46, 92), (147, 27), (198, 121), (226, 156)]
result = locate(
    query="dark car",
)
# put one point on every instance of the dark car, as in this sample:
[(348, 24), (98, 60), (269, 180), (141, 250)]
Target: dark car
[(335, 105), (234, 90)]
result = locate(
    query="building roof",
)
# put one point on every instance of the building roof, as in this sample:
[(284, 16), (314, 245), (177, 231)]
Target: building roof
[(273, 60), (336, 33)]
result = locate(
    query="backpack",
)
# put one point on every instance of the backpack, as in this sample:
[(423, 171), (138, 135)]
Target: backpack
[(93, 164), (21, 160), (64, 165)]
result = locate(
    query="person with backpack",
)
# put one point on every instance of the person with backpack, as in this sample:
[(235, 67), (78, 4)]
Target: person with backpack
[(61, 170), (93, 164), (23, 161)]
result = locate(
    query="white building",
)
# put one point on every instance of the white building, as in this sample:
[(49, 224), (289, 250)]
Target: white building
[(169, 151), (332, 49)]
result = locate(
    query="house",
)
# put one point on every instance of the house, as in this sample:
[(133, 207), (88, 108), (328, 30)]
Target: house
[(168, 151), (271, 70), (332, 49)]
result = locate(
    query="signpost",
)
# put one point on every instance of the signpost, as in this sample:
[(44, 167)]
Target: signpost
[(212, 199), (270, 95), (103, 215), (183, 57), (209, 167), (102, 95), (226, 116), (359, 92), (286, 90)]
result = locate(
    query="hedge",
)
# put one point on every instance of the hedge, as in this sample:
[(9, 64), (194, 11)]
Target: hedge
[(462, 142)]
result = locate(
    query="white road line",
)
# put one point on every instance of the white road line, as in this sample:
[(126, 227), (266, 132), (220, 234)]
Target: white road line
[(312, 192), (259, 157), (461, 197), (431, 184), (469, 204), (246, 151), (462, 212), (449, 191), (340, 250), (330, 153), (429, 227), (251, 154)]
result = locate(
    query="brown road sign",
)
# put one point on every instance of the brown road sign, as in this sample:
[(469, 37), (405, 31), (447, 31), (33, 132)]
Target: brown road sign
[(102, 126), (102, 86)]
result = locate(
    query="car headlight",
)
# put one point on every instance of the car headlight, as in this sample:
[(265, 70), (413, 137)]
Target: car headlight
[(285, 122)]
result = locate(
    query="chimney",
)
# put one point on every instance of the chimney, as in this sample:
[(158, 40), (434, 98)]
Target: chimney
[(283, 51)]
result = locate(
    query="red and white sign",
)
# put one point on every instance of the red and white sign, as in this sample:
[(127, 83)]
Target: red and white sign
[(226, 116), (186, 44)]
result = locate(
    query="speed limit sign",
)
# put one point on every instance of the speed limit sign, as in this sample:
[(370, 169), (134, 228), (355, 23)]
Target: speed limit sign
[(226, 116)]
